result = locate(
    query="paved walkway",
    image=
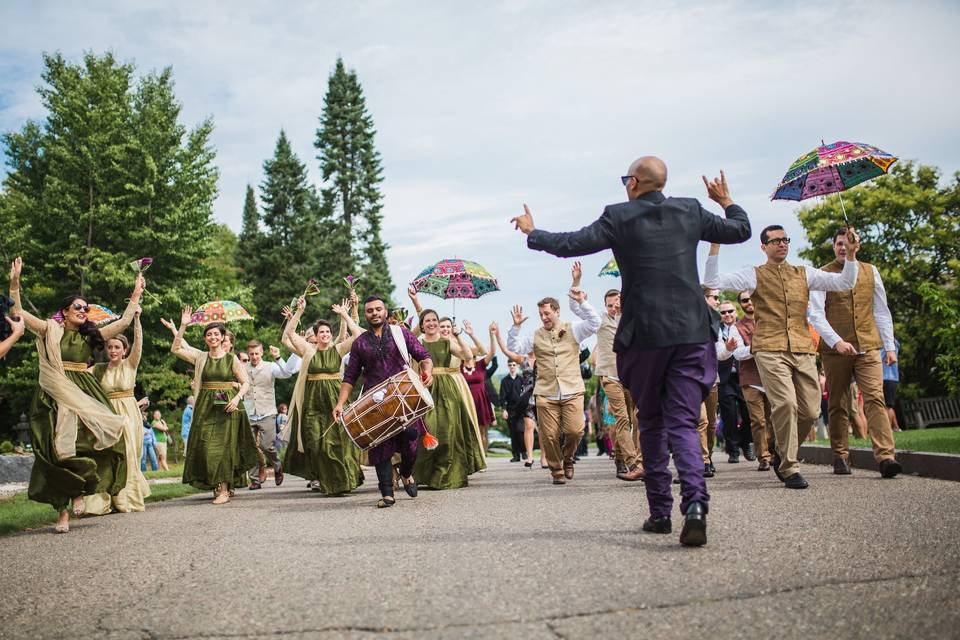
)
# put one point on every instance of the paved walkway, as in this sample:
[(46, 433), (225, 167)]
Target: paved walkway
[(512, 556)]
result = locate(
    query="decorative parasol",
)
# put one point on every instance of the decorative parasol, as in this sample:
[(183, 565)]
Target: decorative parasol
[(219, 311), (455, 278), (832, 168), (610, 269), (98, 315)]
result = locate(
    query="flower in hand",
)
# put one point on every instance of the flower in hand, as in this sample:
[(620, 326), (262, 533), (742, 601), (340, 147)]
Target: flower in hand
[(220, 398)]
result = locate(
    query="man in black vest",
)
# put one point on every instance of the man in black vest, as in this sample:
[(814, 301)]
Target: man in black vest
[(664, 343)]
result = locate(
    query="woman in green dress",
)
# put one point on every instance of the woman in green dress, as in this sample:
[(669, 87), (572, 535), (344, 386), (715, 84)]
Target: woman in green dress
[(448, 465), (324, 455), (77, 436), (221, 442)]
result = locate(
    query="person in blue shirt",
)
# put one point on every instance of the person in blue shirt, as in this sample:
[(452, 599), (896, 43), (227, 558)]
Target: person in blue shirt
[(185, 423), (891, 378)]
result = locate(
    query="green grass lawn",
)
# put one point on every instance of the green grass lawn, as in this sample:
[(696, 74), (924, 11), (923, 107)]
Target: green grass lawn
[(937, 440), (18, 513), (176, 471)]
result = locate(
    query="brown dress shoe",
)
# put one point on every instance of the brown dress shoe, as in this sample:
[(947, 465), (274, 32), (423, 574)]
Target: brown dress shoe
[(636, 473), (621, 468), (262, 474), (559, 480), (763, 466), (568, 471)]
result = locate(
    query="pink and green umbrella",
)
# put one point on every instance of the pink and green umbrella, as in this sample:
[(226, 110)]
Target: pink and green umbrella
[(455, 278), (98, 315), (832, 168), (219, 311)]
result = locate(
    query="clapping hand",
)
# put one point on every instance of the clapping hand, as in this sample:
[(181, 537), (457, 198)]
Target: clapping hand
[(718, 191), (525, 222), (518, 317)]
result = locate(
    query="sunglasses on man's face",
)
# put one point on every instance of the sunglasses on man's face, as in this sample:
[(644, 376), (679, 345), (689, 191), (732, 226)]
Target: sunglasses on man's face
[(76, 306), (726, 312)]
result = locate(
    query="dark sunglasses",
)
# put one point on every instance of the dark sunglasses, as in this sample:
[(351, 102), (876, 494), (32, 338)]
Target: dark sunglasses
[(76, 306), (626, 179), (743, 300), (778, 241), (727, 312)]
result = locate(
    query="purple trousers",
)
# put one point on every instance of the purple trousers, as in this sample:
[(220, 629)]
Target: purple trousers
[(668, 386)]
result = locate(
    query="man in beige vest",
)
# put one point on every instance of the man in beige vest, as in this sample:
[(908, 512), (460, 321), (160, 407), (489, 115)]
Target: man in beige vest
[(761, 427), (261, 405), (853, 325), (559, 388), (782, 344), (626, 443)]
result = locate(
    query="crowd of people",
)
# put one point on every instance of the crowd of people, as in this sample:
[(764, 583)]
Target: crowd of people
[(673, 359)]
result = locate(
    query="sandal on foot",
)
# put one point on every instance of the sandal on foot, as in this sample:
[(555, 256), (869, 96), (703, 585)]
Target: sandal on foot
[(223, 498), (386, 501)]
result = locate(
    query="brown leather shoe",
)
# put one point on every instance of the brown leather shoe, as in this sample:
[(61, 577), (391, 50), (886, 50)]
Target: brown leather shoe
[(568, 471), (262, 474), (559, 480), (621, 468), (636, 473), (763, 466), (278, 475)]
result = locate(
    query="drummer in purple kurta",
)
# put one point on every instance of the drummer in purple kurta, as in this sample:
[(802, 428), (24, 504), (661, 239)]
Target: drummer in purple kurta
[(376, 356)]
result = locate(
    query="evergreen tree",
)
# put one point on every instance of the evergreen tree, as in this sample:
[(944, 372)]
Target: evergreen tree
[(352, 172), (109, 176), (248, 248)]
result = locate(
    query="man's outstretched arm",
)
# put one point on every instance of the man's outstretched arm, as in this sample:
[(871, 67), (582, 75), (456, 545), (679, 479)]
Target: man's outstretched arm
[(590, 239)]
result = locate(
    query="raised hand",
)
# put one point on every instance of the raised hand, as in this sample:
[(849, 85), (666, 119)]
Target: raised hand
[(15, 268), (494, 329), (412, 292), (169, 325), (342, 309), (287, 312), (718, 191), (186, 316), (354, 299), (731, 344), (577, 272), (17, 327), (274, 352), (468, 327), (518, 317), (525, 222), (137, 311), (853, 243), (577, 294), (138, 288)]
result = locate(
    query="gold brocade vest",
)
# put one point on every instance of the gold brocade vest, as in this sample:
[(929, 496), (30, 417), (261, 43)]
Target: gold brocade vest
[(850, 313), (558, 362), (780, 310)]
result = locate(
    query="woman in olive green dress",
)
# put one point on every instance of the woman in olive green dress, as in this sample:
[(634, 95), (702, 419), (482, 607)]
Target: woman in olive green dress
[(324, 455), (77, 437), (448, 465), (221, 442)]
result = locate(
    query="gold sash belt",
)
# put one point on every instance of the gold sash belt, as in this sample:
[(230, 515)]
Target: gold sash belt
[(446, 370), (74, 366), (116, 395), (314, 377), (216, 386)]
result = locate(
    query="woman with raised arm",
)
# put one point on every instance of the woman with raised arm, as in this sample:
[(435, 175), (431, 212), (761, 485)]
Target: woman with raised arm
[(452, 419), (77, 437), (474, 372), (221, 442), (118, 376), (528, 379), (323, 454)]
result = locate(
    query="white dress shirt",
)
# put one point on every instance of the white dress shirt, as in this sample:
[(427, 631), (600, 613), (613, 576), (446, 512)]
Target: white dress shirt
[(881, 315), (746, 278)]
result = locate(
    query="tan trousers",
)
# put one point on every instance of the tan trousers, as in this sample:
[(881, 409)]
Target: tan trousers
[(760, 424), (707, 427), (868, 371), (793, 389), (625, 436), (554, 417)]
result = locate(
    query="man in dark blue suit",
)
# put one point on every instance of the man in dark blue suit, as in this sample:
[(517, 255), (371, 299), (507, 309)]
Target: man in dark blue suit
[(664, 343)]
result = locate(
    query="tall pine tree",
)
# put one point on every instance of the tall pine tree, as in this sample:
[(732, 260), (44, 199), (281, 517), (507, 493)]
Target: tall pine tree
[(352, 172), (251, 238)]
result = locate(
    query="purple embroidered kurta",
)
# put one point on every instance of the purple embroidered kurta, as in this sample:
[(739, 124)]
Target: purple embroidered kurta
[(376, 359)]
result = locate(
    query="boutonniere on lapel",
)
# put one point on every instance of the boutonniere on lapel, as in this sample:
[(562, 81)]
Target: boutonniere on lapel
[(558, 335)]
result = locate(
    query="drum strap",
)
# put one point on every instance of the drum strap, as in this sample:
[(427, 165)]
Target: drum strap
[(397, 332)]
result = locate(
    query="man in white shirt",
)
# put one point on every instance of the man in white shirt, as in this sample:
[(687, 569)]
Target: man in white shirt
[(261, 405), (782, 344), (559, 388), (853, 326)]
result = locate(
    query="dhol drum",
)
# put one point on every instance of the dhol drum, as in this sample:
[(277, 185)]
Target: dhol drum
[(384, 410)]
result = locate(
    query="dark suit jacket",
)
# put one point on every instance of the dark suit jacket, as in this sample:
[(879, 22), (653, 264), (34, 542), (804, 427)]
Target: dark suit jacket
[(654, 240), (511, 392)]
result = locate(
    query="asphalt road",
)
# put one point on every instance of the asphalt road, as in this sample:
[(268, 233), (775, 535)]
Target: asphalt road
[(511, 556)]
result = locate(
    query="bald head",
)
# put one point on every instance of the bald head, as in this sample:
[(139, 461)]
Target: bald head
[(650, 172)]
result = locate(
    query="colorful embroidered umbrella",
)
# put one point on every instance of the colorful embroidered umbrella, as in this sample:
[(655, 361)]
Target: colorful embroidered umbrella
[(219, 311), (455, 278), (610, 269), (98, 315), (832, 168)]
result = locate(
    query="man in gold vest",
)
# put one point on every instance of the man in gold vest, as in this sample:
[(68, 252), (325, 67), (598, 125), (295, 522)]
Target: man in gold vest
[(559, 388), (853, 325), (626, 440), (782, 344)]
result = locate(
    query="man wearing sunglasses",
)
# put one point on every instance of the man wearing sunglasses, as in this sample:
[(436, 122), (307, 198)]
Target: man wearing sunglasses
[(761, 427), (664, 342), (782, 344), (853, 325)]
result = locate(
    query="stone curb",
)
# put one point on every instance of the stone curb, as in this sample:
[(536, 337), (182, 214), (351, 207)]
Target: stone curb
[(943, 466)]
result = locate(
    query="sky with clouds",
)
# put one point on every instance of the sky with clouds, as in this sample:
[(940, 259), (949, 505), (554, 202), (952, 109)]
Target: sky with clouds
[(481, 107)]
